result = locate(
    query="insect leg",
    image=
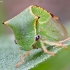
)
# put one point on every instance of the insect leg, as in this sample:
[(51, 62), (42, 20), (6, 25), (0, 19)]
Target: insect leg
[(45, 50), (22, 59), (56, 44), (64, 40)]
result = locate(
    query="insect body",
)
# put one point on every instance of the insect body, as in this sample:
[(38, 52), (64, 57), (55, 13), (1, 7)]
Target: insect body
[(36, 26)]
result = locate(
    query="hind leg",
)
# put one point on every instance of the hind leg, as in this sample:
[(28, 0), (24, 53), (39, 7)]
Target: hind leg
[(64, 40), (57, 44)]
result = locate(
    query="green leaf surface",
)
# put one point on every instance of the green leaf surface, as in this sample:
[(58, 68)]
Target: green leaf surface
[(9, 55)]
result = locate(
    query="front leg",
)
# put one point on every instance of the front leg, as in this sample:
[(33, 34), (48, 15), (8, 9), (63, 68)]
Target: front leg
[(22, 59)]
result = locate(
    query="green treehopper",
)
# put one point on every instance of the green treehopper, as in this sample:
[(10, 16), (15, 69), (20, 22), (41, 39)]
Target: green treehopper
[(36, 28)]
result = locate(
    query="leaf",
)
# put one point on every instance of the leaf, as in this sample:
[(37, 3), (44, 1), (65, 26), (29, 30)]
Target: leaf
[(9, 55)]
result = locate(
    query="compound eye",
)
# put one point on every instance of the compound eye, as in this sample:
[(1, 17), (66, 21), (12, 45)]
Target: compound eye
[(15, 41), (37, 38)]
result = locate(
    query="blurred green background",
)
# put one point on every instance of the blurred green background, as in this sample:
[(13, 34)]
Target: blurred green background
[(60, 8)]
